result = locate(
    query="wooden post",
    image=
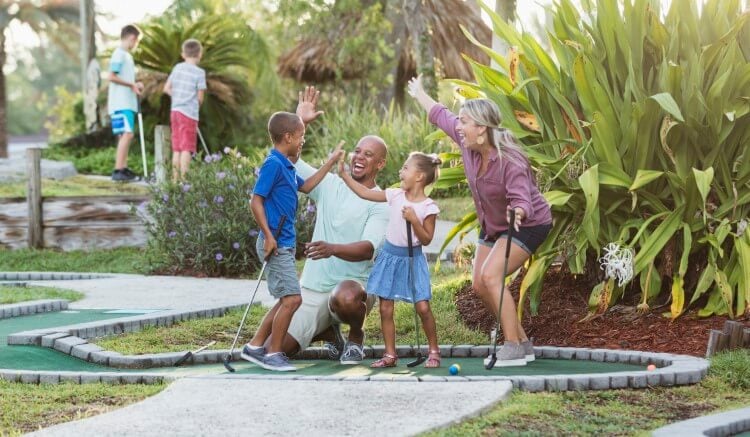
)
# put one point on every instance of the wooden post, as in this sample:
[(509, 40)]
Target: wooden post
[(733, 331), (34, 197), (717, 342), (162, 151), (746, 338)]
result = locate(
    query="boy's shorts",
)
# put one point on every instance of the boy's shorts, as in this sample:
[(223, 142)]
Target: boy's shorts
[(281, 271), (123, 121), (184, 132)]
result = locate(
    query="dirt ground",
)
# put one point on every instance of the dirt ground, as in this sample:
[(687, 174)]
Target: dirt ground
[(564, 304)]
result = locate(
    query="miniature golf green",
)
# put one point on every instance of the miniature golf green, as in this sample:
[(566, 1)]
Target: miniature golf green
[(40, 358)]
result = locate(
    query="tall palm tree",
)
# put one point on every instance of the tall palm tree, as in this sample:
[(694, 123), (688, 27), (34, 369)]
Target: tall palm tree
[(46, 18)]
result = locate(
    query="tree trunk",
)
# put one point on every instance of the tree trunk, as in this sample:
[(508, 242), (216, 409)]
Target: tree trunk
[(506, 9), (396, 39), (3, 100), (420, 36)]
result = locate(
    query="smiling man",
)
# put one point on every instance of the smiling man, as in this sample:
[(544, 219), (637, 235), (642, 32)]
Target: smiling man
[(348, 231)]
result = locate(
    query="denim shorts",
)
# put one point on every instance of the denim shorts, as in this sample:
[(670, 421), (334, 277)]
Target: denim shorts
[(529, 238), (281, 271)]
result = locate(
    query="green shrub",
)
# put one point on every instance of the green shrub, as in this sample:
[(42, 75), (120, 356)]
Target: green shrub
[(203, 226), (641, 133), (733, 368), (66, 115), (99, 160)]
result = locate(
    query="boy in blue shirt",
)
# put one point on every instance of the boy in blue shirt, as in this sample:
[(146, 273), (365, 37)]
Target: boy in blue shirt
[(274, 196), (122, 100)]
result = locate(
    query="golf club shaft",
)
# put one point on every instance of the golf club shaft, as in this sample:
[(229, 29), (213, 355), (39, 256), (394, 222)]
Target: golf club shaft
[(203, 142), (411, 287), (143, 144), (257, 285), (511, 224)]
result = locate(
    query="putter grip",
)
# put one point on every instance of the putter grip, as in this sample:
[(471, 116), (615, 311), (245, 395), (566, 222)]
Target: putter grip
[(511, 229), (408, 238), (276, 234)]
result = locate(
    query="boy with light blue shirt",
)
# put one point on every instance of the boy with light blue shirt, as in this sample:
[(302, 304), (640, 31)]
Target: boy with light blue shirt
[(274, 197), (122, 100)]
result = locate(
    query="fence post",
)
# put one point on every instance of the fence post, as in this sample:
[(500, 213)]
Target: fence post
[(162, 149), (35, 237)]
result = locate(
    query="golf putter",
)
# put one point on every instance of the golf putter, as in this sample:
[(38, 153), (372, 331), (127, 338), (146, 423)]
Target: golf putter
[(203, 142), (190, 354), (228, 357), (493, 357), (420, 358), (143, 144)]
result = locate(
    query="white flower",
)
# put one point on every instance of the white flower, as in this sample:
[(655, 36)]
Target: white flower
[(741, 227), (617, 263), (227, 150)]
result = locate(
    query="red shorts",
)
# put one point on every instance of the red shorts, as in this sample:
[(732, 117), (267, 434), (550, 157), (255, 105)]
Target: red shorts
[(184, 132)]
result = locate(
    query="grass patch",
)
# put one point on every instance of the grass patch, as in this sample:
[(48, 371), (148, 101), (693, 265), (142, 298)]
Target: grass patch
[(192, 334), (23, 294), (120, 260), (455, 208), (614, 412), (75, 186), (27, 407)]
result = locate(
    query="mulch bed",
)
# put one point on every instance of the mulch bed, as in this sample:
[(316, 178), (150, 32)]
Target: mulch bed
[(564, 304)]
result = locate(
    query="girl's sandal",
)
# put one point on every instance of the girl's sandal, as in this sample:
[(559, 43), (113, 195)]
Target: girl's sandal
[(388, 360), (433, 360)]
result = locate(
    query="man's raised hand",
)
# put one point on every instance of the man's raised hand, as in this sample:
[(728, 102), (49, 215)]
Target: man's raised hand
[(308, 101)]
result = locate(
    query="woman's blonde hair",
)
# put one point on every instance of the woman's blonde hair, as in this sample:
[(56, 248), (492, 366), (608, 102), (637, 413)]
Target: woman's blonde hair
[(485, 112), (429, 165)]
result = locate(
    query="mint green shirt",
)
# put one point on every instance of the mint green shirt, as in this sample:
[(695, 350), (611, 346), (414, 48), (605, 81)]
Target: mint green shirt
[(342, 217)]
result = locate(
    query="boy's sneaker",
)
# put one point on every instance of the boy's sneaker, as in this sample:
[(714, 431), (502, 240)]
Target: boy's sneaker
[(353, 353), (121, 176), (278, 362), (253, 354), (335, 349), (510, 354), (528, 349), (130, 174)]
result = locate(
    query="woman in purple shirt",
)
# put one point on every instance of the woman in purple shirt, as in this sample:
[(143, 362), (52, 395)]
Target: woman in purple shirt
[(501, 183)]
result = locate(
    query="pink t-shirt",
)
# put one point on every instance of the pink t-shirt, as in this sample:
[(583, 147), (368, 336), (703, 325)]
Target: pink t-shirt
[(396, 231)]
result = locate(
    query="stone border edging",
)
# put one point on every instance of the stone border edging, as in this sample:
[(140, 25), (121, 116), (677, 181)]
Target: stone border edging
[(72, 340), (32, 307), (714, 425), (50, 276)]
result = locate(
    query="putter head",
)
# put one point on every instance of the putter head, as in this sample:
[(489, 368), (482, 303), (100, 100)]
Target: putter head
[(491, 364), (228, 366), (184, 358), (420, 359)]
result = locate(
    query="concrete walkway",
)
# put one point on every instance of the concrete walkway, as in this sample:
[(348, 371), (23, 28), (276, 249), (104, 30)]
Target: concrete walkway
[(212, 406)]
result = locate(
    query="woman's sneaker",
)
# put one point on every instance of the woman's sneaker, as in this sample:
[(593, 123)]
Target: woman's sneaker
[(353, 353), (253, 354), (528, 349), (278, 362), (510, 354)]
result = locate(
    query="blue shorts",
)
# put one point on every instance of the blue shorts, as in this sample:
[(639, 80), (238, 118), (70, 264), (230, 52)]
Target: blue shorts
[(281, 271), (529, 238), (123, 121)]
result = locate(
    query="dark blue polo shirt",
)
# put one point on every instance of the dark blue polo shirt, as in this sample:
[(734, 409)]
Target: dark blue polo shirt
[(278, 184)]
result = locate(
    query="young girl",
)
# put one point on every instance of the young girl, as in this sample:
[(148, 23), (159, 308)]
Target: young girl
[(390, 276)]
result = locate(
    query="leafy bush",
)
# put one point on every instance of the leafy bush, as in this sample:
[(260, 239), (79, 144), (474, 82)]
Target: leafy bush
[(639, 127), (733, 368), (99, 160), (66, 115), (203, 226)]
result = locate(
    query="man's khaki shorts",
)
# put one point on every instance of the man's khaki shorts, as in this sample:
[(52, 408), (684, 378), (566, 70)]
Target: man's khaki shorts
[(315, 316)]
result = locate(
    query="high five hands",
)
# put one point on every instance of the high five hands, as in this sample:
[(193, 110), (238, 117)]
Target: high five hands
[(307, 105), (414, 88)]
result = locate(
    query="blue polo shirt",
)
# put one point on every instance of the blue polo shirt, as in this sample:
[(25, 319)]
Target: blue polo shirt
[(278, 184)]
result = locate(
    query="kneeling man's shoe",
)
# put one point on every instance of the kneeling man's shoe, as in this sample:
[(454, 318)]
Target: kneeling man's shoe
[(353, 353)]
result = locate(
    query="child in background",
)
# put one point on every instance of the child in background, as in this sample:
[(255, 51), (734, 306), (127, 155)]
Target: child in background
[(186, 85), (122, 100), (390, 276), (274, 196)]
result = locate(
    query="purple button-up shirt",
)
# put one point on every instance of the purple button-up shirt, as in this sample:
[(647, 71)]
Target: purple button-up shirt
[(502, 184)]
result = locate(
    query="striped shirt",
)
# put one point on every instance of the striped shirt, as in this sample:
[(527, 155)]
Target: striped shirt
[(187, 79)]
